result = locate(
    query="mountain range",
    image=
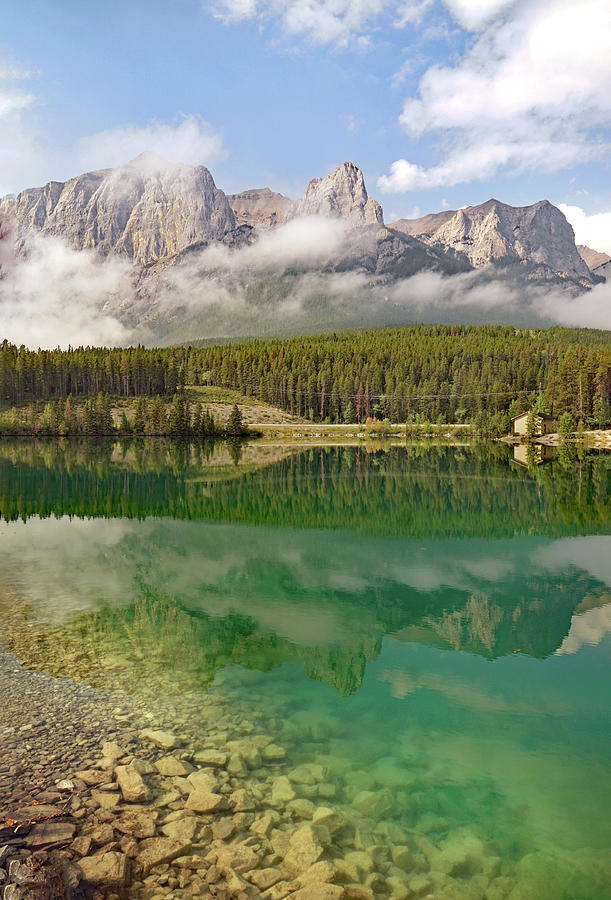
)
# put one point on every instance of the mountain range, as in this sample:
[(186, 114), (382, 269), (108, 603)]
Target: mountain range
[(182, 233)]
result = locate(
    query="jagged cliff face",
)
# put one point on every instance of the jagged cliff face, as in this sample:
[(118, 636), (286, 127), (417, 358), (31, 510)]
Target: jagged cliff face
[(341, 194), (493, 232), (145, 210), (260, 208), (592, 258), (161, 216)]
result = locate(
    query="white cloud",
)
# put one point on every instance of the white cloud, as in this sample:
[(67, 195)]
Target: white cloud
[(473, 14), (188, 140), (311, 240), (338, 22), (55, 296), (593, 231), (19, 152), (530, 93)]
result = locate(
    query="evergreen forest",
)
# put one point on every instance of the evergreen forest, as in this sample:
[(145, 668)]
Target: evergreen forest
[(441, 374)]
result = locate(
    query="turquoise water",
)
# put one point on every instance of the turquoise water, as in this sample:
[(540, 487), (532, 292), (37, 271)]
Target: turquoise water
[(429, 625)]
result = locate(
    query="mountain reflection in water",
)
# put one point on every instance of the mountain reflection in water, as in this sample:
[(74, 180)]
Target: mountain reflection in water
[(334, 550), (429, 623)]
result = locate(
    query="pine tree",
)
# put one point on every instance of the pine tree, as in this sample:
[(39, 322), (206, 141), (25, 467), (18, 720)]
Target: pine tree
[(566, 426), (124, 426), (349, 414), (179, 419), (139, 423), (105, 423), (235, 426), (532, 425)]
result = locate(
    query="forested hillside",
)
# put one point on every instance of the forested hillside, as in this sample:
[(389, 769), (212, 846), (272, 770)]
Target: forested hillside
[(438, 373)]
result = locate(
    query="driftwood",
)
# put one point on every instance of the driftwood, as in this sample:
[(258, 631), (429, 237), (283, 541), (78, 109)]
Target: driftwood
[(12, 828)]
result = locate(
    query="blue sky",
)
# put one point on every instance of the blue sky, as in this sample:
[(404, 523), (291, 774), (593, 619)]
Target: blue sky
[(442, 104)]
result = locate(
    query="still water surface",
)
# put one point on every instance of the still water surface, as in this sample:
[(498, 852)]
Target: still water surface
[(430, 624)]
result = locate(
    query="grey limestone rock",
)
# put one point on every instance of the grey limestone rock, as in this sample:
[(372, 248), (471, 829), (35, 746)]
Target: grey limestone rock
[(341, 194), (145, 210), (260, 208), (502, 235)]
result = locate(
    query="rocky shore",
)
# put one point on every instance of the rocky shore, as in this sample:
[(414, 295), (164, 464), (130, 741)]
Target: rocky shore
[(105, 796)]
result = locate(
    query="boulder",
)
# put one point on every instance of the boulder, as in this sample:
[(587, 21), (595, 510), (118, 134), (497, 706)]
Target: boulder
[(211, 757), (203, 781), (49, 834), (305, 848), (156, 851), (182, 829), (282, 791), (373, 804), (264, 878), (110, 750), (136, 824), (109, 870), (319, 892), (164, 739), (309, 773), (206, 802), (131, 784), (106, 799), (169, 766)]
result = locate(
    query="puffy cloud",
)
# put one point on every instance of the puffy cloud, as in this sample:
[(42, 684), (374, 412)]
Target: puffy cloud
[(57, 296), (480, 161), (19, 151), (339, 22), (593, 231), (312, 240), (473, 14), (188, 140), (530, 93)]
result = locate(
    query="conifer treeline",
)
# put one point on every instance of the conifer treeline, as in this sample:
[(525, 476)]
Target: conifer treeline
[(158, 416), (441, 373)]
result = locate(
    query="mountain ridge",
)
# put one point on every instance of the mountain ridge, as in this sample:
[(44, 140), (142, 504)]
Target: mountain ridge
[(195, 255), (497, 233), (150, 210)]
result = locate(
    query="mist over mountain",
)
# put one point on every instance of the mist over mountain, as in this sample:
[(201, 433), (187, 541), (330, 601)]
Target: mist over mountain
[(182, 260)]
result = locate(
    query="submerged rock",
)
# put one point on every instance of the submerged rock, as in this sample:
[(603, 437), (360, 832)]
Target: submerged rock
[(164, 739), (305, 848), (109, 870), (206, 802), (131, 784), (155, 851), (169, 767)]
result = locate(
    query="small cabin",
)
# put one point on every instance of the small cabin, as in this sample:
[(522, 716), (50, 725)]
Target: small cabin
[(545, 424)]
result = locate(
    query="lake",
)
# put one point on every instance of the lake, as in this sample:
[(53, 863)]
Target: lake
[(423, 631)]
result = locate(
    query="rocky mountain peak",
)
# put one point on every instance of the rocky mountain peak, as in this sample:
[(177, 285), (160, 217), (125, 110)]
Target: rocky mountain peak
[(341, 194), (260, 208), (146, 209), (593, 258), (494, 232)]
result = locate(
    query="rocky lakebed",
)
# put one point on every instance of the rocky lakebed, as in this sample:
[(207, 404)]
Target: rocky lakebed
[(106, 795)]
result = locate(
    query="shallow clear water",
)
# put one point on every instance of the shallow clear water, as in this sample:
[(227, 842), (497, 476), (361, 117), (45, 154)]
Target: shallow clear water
[(429, 624)]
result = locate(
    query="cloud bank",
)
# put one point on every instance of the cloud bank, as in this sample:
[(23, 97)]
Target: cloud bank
[(292, 278), (290, 281), (56, 296), (337, 22), (593, 231), (530, 93), (190, 139)]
